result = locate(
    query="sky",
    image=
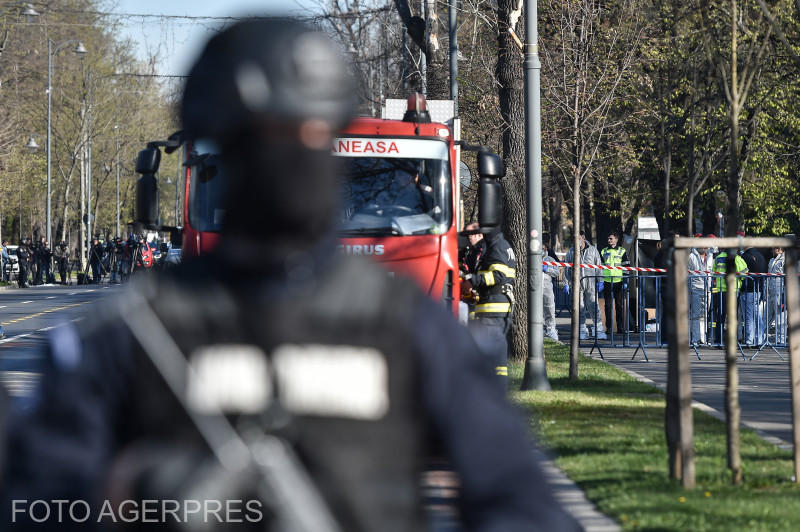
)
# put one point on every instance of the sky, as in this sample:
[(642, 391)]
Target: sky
[(178, 41)]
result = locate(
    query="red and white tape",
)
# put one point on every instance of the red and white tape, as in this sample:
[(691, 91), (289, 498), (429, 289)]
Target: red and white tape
[(650, 270)]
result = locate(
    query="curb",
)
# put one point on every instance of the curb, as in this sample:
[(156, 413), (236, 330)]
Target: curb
[(573, 498)]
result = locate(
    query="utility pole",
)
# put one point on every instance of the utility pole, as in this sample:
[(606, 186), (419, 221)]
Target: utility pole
[(89, 172), (453, 23), (535, 377), (118, 233), (177, 191)]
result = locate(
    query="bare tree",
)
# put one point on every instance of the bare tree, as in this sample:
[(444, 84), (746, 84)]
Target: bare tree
[(736, 76), (592, 51)]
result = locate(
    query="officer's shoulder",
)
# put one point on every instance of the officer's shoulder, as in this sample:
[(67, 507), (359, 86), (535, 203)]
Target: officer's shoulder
[(362, 286)]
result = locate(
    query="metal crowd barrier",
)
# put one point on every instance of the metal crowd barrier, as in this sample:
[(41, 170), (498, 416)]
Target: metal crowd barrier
[(762, 322)]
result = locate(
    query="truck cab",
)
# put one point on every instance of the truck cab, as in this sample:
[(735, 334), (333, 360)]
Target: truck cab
[(400, 195)]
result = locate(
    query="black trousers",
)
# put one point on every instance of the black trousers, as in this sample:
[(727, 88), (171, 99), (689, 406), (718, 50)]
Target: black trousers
[(490, 335), (612, 293), (719, 307)]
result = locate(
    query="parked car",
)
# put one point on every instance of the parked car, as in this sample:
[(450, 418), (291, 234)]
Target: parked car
[(13, 263)]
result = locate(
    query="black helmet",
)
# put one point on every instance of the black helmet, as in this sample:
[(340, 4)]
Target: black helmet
[(270, 69)]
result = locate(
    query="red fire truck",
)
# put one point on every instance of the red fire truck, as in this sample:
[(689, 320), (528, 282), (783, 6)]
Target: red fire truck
[(401, 195)]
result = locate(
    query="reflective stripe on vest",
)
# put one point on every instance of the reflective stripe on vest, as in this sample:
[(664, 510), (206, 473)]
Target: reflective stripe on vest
[(493, 307), (488, 275), (612, 257)]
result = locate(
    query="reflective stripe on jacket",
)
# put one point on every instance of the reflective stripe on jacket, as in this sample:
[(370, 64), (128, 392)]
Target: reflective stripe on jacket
[(496, 269)]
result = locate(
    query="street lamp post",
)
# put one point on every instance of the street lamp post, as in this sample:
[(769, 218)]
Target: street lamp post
[(118, 233), (51, 52)]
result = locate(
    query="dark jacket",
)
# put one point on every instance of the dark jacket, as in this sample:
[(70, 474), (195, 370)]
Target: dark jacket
[(496, 269), (98, 398)]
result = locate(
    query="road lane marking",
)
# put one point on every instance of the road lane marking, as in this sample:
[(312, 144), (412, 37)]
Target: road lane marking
[(2, 306), (12, 338), (26, 302), (23, 318), (51, 297), (73, 293)]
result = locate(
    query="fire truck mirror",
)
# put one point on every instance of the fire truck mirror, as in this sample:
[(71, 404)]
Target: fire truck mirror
[(147, 201), (490, 203), (490, 165), (148, 161)]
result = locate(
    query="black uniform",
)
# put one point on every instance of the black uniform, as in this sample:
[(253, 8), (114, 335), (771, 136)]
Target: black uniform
[(362, 440), (62, 257), (23, 256), (494, 282), (95, 261), (360, 375), (45, 259)]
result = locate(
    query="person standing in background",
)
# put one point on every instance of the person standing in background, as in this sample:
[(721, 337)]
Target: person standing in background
[(700, 260), (551, 274), (776, 296), (591, 284)]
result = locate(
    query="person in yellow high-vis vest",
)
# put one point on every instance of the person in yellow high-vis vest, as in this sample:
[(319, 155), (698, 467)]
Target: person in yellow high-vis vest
[(718, 289), (615, 282)]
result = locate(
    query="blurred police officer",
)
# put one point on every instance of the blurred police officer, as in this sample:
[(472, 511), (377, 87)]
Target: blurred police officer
[(358, 375), (62, 259), (23, 257)]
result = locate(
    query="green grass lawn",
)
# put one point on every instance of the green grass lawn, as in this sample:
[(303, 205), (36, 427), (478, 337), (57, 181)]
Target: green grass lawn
[(607, 431)]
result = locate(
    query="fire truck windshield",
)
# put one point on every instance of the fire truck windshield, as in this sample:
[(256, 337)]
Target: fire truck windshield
[(393, 196), (207, 177)]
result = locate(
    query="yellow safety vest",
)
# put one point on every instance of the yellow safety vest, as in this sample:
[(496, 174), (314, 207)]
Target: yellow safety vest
[(720, 269), (612, 257)]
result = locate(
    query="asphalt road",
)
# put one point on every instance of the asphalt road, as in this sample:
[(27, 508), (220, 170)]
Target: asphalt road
[(26, 315), (764, 387)]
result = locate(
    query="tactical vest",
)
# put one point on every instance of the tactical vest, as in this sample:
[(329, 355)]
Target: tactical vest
[(612, 257), (342, 368)]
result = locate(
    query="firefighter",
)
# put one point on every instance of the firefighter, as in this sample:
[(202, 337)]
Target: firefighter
[(337, 381), (469, 258), (494, 284)]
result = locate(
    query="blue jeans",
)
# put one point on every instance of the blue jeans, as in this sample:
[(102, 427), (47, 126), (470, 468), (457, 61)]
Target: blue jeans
[(753, 320)]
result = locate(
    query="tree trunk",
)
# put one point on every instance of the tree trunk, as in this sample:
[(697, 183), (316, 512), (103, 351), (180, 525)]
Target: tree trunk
[(592, 225), (576, 279), (732, 411), (510, 93), (437, 72), (65, 214)]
